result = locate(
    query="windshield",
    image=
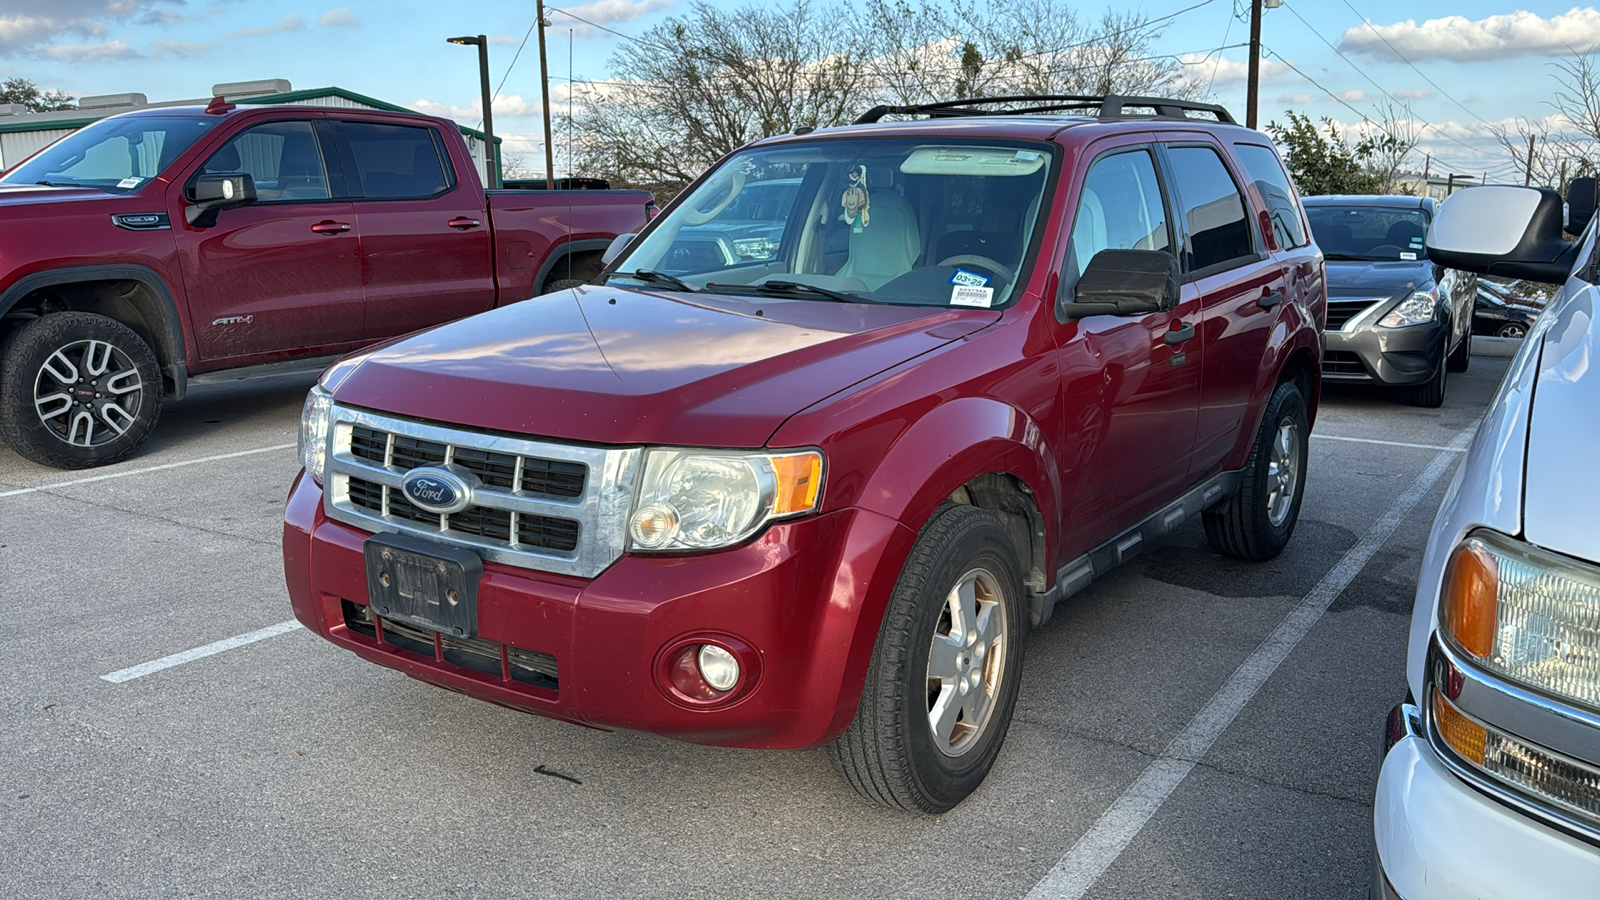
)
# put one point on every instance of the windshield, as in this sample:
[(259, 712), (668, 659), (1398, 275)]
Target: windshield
[(915, 222), (1374, 233), (117, 154)]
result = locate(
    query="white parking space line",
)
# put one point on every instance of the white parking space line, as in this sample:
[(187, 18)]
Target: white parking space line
[(1355, 440), (1105, 841), (126, 472), (178, 659)]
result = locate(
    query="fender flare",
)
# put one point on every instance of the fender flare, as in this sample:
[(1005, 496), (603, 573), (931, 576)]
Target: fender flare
[(561, 251), (168, 332)]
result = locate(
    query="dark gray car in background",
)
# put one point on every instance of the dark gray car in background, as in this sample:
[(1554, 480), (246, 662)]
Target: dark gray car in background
[(1394, 318)]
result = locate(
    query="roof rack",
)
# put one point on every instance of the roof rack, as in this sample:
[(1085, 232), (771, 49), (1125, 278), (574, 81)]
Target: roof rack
[(1109, 106)]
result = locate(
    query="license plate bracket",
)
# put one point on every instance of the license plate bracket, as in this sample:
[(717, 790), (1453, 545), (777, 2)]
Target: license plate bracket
[(424, 583)]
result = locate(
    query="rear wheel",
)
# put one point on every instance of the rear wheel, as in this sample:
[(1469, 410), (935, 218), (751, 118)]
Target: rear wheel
[(944, 675), (1256, 522), (78, 390), (1513, 330), (1462, 357)]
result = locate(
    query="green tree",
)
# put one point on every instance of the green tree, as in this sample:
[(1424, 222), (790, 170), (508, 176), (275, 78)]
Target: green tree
[(25, 92), (1322, 161)]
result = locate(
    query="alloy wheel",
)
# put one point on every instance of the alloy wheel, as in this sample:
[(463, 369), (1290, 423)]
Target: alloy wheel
[(966, 663), (1283, 471), (88, 393)]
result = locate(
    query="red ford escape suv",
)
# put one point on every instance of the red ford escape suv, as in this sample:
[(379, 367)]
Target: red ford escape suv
[(816, 492)]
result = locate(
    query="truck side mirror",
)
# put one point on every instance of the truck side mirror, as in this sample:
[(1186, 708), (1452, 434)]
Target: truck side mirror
[(210, 194), (1125, 283), (1581, 201), (618, 244), (1503, 230)]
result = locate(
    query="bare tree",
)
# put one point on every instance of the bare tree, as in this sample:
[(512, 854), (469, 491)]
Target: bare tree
[(1387, 144), (1538, 149)]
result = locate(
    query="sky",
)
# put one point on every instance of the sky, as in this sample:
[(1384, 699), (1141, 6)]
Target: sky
[(1466, 64)]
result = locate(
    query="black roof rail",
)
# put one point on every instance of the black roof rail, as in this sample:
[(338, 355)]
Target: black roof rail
[(1108, 106)]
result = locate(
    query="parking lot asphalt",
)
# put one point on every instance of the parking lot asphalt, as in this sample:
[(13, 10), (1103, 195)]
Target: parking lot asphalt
[(1189, 726)]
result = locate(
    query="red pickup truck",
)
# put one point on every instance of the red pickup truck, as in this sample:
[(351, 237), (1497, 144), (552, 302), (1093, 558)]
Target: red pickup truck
[(155, 247), (814, 486)]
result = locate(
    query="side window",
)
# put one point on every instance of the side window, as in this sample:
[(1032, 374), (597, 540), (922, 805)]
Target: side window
[(282, 157), (395, 162), (1272, 183), (1212, 208), (1120, 209)]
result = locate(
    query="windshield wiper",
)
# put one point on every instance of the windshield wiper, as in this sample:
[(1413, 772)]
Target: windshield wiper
[(1346, 257), (59, 183), (650, 276), (792, 287)]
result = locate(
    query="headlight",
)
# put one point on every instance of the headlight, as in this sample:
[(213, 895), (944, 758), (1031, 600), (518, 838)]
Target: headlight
[(315, 418), (1416, 309), (705, 499), (1525, 614), (755, 248)]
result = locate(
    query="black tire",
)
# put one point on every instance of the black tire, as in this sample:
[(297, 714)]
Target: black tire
[(563, 284), (78, 390), (1462, 357), (1256, 522), (1515, 330), (1429, 394), (891, 753)]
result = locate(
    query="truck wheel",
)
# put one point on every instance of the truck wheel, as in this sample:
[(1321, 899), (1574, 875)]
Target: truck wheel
[(1257, 521), (77, 390), (563, 284), (1429, 394), (944, 674), (1462, 357)]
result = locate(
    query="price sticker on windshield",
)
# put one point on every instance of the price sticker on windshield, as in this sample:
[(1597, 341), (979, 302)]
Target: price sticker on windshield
[(968, 295)]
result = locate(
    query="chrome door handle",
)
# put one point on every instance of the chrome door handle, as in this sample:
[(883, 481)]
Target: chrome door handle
[(1179, 335)]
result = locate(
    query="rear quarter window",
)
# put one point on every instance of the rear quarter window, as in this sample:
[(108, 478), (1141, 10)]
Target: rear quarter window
[(1272, 183)]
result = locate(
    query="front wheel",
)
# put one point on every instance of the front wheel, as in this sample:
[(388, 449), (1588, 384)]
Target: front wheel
[(1256, 523), (77, 390), (944, 674), (1429, 394), (1462, 357), (1515, 330)]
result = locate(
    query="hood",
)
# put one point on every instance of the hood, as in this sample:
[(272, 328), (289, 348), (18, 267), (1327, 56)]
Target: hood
[(613, 366), (23, 195), (1361, 278), (1559, 511)]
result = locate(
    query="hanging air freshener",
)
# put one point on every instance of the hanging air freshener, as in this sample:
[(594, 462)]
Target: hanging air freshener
[(857, 205)]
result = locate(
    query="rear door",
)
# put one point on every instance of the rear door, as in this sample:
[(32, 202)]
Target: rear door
[(1241, 284), (425, 238), (283, 273), (1130, 384)]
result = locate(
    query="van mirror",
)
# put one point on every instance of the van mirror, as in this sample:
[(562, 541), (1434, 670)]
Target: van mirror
[(1125, 283), (1504, 230), (1581, 201), (618, 244)]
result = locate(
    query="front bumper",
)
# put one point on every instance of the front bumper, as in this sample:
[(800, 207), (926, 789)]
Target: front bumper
[(1437, 838), (806, 597), (1395, 356)]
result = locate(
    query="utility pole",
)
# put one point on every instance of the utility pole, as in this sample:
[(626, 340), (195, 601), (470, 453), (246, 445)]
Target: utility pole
[(1527, 175), (1254, 84), (1450, 186), (544, 100)]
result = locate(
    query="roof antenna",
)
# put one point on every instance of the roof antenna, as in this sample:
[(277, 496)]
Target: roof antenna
[(219, 105)]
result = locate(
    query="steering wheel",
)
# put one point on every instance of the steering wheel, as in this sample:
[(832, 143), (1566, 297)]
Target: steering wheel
[(702, 216), (973, 259)]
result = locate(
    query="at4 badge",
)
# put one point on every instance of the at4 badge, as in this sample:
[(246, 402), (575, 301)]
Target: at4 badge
[(857, 205)]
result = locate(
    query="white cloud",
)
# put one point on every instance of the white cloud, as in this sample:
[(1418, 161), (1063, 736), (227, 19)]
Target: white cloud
[(29, 23), (1355, 96), (1295, 99), (339, 17), (604, 12), (505, 106), (80, 53), (290, 22), (1460, 39), (1414, 94), (179, 48), (1228, 71)]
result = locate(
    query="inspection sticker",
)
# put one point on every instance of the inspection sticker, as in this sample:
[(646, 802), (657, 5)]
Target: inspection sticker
[(131, 181), (967, 295), (970, 279), (1406, 255)]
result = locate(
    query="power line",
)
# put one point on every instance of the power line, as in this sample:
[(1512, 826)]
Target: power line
[(1359, 70), (613, 31), (516, 56), (1408, 62), (1336, 98)]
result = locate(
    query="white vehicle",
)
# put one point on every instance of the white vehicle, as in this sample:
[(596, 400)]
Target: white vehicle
[(1490, 780)]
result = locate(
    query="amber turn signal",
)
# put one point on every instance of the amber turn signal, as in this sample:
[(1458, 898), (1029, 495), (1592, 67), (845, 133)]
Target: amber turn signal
[(799, 479), (1466, 737), (1471, 598)]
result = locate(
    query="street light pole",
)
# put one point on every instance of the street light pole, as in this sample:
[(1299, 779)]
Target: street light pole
[(544, 101), (490, 168)]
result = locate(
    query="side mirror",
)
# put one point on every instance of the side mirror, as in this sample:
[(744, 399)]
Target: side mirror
[(1581, 201), (1125, 283), (1514, 232), (210, 194), (618, 244)]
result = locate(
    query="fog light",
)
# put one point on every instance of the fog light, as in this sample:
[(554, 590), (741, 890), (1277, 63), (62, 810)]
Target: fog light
[(718, 667)]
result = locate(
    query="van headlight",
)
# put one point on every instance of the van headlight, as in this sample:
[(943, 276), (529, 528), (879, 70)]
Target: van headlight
[(707, 499), (1417, 309), (1526, 614), (316, 417)]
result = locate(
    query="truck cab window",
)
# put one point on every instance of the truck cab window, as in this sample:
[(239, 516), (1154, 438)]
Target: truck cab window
[(396, 162), (282, 157)]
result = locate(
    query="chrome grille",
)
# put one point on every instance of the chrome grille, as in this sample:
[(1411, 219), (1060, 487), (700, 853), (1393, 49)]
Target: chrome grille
[(1341, 311), (539, 505)]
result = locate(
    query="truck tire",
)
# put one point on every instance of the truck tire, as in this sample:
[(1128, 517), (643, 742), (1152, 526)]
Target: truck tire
[(77, 390), (944, 674), (1430, 393), (564, 284), (1462, 357), (1256, 522)]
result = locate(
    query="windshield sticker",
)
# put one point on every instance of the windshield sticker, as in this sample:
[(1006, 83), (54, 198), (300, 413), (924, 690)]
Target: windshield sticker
[(970, 279), (967, 295), (1406, 255), (857, 204), (1026, 155), (132, 181)]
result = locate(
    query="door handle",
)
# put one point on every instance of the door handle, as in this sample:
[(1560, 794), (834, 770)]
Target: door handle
[(331, 227), (1179, 335), (1269, 298), (463, 223)]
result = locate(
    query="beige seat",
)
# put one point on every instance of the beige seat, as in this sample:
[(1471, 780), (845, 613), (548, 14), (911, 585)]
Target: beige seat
[(888, 246)]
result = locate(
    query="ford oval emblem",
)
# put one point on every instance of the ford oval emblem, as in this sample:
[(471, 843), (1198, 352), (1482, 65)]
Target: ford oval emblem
[(436, 490)]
